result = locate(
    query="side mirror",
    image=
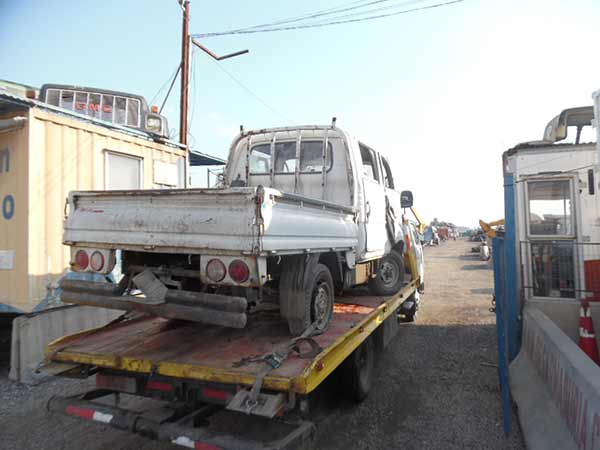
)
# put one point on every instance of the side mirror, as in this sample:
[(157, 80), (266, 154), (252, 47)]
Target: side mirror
[(406, 199)]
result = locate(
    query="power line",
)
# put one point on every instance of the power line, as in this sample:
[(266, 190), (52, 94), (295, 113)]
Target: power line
[(325, 24), (165, 83), (169, 91), (323, 12), (373, 10), (251, 92)]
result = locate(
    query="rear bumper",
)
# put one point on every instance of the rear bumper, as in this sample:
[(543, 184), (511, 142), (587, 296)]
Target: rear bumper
[(180, 425)]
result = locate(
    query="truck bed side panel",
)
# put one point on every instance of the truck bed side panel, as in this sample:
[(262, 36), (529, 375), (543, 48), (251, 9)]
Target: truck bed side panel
[(193, 220), (293, 226)]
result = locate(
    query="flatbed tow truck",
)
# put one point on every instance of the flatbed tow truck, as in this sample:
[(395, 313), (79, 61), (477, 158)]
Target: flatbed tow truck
[(178, 381)]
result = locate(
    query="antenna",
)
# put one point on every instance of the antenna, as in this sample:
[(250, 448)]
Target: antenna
[(333, 121)]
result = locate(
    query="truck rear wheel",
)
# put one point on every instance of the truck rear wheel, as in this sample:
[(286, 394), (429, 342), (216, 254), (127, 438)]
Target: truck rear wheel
[(390, 276), (306, 295), (357, 371)]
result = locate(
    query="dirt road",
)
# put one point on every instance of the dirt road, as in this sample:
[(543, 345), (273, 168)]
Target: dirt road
[(434, 388)]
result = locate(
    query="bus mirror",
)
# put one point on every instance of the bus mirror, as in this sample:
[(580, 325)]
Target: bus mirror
[(406, 199)]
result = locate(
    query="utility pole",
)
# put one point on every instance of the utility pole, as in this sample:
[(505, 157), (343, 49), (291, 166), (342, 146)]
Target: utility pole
[(185, 68), (185, 72)]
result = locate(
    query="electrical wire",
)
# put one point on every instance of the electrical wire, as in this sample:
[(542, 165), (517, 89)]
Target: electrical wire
[(172, 76), (325, 12), (325, 24), (169, 91), (252, 93)]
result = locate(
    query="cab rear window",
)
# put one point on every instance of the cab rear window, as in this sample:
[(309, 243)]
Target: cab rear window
[(285, 161)]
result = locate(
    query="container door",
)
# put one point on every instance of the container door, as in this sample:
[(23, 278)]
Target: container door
[(374, 201), (551, 244)]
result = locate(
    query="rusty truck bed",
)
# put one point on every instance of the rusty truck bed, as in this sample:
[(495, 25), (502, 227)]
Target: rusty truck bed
[(224, 355)]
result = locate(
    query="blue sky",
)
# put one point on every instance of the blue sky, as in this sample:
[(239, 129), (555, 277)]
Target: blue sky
[(442, 92)]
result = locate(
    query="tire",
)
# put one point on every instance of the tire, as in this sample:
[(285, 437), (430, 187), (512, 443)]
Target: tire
[(357, 372), (390, 276), (306, 295)]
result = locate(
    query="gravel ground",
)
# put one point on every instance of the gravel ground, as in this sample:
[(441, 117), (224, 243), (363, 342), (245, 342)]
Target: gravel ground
[(434, 388)]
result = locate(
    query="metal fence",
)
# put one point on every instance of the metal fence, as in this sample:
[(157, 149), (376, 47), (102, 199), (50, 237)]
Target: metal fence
[(560, 269)]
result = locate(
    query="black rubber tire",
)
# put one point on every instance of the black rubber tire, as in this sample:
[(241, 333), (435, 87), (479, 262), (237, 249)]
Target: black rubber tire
[(377, 286), (299, 286), (357, 371)]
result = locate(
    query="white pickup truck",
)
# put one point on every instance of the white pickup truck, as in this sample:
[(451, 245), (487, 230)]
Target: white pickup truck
[(302, 214)]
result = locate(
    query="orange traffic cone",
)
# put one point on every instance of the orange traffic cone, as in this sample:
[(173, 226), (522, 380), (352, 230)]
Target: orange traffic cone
[(587, 337)]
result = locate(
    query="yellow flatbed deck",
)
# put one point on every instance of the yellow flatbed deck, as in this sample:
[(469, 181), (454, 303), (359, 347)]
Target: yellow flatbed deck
[(223, 355)]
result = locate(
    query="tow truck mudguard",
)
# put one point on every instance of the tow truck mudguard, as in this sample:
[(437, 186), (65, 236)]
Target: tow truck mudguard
[(181, 428)]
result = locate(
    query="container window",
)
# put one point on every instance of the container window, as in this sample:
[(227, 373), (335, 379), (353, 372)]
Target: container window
[(550, 208), (123, 171)]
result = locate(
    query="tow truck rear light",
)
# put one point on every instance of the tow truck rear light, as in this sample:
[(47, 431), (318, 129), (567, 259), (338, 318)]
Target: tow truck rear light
[(215, 270), (82, 261), (239, 271), (97, 261)]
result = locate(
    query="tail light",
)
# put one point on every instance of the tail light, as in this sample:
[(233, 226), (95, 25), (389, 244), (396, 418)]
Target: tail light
[(239, 271), (215, 270), (81, 261), (97, 261), (92, 260)]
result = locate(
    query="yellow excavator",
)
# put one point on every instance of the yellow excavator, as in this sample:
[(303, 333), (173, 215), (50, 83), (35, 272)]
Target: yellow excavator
[(488, 228), (490, 232)]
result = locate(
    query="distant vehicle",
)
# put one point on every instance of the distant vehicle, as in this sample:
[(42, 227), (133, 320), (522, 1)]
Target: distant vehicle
[(116, 107)]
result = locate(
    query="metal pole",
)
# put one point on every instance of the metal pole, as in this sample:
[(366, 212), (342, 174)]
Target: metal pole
[(185, 73)]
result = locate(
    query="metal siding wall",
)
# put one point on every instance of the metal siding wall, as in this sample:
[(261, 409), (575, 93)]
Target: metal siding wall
[(69, 155), (13, 229)]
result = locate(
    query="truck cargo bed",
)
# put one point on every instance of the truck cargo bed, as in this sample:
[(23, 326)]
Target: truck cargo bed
[(223, 355)]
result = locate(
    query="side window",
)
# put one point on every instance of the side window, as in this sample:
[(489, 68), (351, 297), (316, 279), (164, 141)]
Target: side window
[(369, 162), (388, 179), (260, 159)]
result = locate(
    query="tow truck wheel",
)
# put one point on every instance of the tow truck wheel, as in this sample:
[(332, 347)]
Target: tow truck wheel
[(390, 276), (308, 300), (357, 371)]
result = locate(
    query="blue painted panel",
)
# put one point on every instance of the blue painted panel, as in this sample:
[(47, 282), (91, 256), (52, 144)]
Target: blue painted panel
[(511, 271), (500, 296)]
